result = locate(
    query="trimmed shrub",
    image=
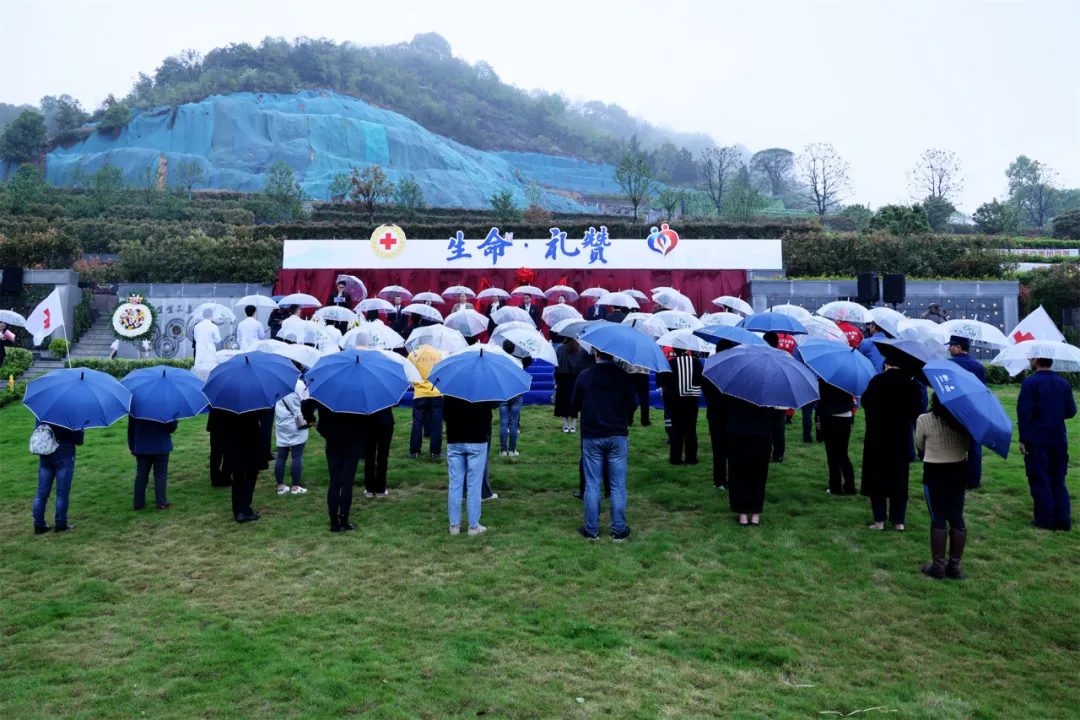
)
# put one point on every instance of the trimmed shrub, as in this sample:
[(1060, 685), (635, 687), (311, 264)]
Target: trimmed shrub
[(12, 395), (120, 368), (200, 259), (16, 362), (58, 348)]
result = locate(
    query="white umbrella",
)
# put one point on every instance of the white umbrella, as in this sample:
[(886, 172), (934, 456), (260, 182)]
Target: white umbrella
[(299, 299), (11, 317), (531, 343), (821, 329), (467, 322), (845, 311), (497, 336), (554, 291), (425, 311), (647, 323), (453, 291), (734, 303), (673, 300), (411, 373), (439, 337), (594, 292), (523, 290), (259, 301), (973, 330), (492, 294), (721, 318), (306, 356), (509, 313), (302, 331), (356, 289), (221, 314), (430, 297), (685, 339), (570, 328), (663, 288), (330, 338), (792, 310), (636, 294), (618, 300), (391, 291), (335, 313), (887, 319), (488, 347), (675, 319), (922, 332), (372, 336), (1066, 357), (554, 314), (377, 304)]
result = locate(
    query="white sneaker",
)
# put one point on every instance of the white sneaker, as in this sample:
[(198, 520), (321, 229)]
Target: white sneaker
[(566, 429), (384, 493), (455, 529), (494, 496), (573, 428), (283, 490), (504, 454), (514, 453), (299, 490), (368, 494), (477, 530)]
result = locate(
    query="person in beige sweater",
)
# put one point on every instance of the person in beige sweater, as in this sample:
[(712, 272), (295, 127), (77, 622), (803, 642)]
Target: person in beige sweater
[(944, 443)]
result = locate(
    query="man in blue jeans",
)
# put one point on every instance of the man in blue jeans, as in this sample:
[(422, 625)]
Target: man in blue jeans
[(509, 417), (58, 467), (603, 396)]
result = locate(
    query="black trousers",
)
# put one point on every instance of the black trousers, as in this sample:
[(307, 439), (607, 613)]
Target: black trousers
[(684, 412), (779, 427), (944, 485), (342, 469), (266, 432), (218, 476), (243, 490), (376, 456), (891, 507), (748, 470), (719, 454), (837, 434), (641, 387)]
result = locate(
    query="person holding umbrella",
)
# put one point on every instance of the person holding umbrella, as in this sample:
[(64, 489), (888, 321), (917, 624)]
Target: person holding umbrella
[(427, 407), (958, 349), (1046, 401), (870, 350), (56, 464), (716, 415), (400, 322), (150, 442), (291, 434), (340, 298), (528, 306), (682, 391), (344, 435), (573, 360), (944, 442)]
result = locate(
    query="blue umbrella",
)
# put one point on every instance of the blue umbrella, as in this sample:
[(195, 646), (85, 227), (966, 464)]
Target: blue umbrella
[(482, 376), (900, 353), (626, 344), (250, 381), (839, 365), (972, 403), (77, 399), (164, 394), (773, 322), (360, 382), (737, 335), (763, 376)]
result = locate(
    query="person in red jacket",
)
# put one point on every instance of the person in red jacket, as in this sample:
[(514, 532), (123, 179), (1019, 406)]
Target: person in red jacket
[(854, 335)]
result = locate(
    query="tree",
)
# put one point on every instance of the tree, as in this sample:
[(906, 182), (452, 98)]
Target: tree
[(716, 167), (188, 174), (1033, 188), (773, 169), (149, 187), (860, 216), (69, 115), (634, 176), (1066, 225), (24, 137), (669, 199), (104, 188), (936, 176), (901, 220), (742, 202), (23, 189), (996, 218), (409, 197), (371, 188), (339, 188), (284, 196), (825, 176), (115, 116), (938, 211), (533, 194), (503, 208)]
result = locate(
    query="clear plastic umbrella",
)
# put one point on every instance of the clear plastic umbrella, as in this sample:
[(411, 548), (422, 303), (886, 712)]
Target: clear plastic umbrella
[(646, 323), (793, 310), (973, 330), (391, 291), (453, 291), (734, 303), (1066, 357), (887, 319), (356, 289), (492, 294), (425, 311), (300, 300), (618, 299), (303, 331), (10, 317), (685, 339), (497, 335), (721, 318), (554, 314), (532, 343), (439, 337), (259, 301), (377, 304), (430, 297), (372, 335), (335, 313), (675, 319), (636, 294), (570, 328), (922, 332), (523, 290), (594, 292), (221, 314), (509, 313), (845, 311), (822, 329), (556, 290), (673, 300), (467, 322), (303, 354)]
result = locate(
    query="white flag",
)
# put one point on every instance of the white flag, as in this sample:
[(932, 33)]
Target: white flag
[(1036, 326), (46, 317)]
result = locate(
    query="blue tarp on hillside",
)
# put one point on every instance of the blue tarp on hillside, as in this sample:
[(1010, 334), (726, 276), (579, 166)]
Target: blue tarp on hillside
[(235, 138)]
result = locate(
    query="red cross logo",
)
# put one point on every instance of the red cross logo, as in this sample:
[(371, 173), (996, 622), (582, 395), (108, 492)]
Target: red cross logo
[(48, 319), (388, 241)]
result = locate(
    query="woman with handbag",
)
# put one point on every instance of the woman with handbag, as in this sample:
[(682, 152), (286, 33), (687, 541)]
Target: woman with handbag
[(55, 448), (292, 435)]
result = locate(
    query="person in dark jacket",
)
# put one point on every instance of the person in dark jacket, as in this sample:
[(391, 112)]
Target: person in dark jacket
[(530, 307), (468, 438), (151, 442), (596, 312), (603, 396), (573, 360), (748, 438), (217, 424), (341, 299), (245, 456), (892, 404), (59, 467), (1046, 401), (958, 349), (399, 321), (277, 316), (835, 417), (615, 315), (682, 391), (344, 436), (378, 432), (779, 415), (716, 413)]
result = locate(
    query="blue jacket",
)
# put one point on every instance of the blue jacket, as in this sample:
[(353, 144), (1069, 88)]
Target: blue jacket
[(604, 395), (1046, 402), (970, 364), (66, 441), (870, 350), (147, 437)]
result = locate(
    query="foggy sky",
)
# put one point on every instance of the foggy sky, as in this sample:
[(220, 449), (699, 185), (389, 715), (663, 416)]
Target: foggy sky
[(881, 80)]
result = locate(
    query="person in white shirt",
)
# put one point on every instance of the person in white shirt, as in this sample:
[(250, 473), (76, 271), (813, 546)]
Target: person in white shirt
[(206, 336), (292, 434), (250, 331), (114, 348)]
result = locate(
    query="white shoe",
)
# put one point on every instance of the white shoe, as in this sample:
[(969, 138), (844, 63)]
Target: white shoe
[(504, 454), (299, 490), (367, 494), (384, 493), (283, 490), (566, 429), (455, 529), (514, 453), (573, 428), (494, 496), (477, 530)]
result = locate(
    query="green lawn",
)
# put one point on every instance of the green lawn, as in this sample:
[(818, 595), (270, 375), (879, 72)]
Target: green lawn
[(185, 614)]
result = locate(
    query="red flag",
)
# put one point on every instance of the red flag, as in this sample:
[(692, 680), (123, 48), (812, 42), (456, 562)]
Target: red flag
[(484, 284), (563, 280)]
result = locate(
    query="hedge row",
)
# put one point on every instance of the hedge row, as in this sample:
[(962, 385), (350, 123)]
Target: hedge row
[(200, 259), (16, 362), (997, 375), (120, 368)]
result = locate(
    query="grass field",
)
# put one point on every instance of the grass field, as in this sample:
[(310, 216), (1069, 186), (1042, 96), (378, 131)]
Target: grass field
[(186, 614)]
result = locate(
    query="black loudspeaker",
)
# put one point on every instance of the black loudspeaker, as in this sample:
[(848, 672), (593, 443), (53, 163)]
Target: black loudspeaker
[(869, 288), (893, 289), (13, 280)]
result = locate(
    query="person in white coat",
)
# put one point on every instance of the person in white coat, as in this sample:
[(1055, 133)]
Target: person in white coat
[(292, 434), (206, 336), (249, 332)]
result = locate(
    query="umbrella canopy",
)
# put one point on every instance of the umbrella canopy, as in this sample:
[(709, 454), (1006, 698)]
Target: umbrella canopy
[(773, 322), (799, 313), (922, 332), (250, 381), (636, 294), (822, 329), (676, 319), (626, 344), (555, 291), (336, 313), (467, 322), (1066, 357), (663, 288), (762, 376), (838, 365), (554, 314), (973, 330), (594, 292), (259, 301), (164, 394), (497, 336), (571, 327), (391, 291), (376, 304), (721, 318), (496, 349), (493, 294), (523, 290), (618, 300), (509, 313), (303, 331), (972, 403), (480, 376), (77, 398), (673, 300), (845, 311), (356, 289), (737, 335), (531, 343), (430, 297), (686, 339), (411, 373), (439, 337), (303, 354), (425, 311), (372, 335), (734, 303), (357, 382), (903, 353), (300, 300), (220, 316), (887, 319), (453, 291), (11, 317), (647, 323)]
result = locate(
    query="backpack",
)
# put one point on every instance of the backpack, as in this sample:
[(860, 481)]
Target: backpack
[(43, 441)]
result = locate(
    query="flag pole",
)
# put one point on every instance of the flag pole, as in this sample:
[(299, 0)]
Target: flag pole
[(67, 345)]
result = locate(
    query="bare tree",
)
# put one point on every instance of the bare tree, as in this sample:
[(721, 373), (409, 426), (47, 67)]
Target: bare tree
[(825, 176), (773, 167), (717, 166), (936, 175), (634, 176)]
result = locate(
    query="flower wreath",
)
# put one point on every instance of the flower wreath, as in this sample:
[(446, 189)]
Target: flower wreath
[(133, 320)]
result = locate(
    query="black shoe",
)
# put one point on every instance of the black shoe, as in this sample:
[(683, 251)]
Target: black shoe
[(778, 459), (808, 441), (787, 420), (63, 528), (586, 534), (1043, 527), (851, 491), (346, 525), (1066, 527), (579, 496), (645, 423), (620, 536), (244, 518), (436, 456), (41, 530), (272, 457), (977, 486), (413, 456), (691, 462), (335, 528)]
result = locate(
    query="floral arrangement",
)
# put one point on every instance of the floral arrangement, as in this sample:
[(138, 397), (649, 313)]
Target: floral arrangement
[(133, 320)]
